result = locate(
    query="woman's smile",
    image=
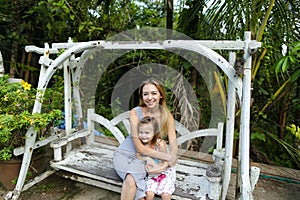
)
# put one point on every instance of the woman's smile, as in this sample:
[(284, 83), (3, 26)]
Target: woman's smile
[(151, 95)]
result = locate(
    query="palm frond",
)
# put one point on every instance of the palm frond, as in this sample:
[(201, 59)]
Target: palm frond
[(292, 152), (189, 115)]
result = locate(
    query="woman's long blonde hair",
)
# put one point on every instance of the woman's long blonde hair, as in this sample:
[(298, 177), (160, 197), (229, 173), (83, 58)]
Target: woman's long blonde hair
[(165, 112)]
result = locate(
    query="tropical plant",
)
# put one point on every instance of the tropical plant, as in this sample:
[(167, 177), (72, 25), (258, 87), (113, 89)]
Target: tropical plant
[(275, 92), (17, 100)]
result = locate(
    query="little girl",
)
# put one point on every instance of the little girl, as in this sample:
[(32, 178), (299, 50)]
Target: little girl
[(164, 183)]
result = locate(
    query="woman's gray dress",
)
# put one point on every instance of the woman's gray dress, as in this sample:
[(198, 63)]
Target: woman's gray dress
[(125, 162)]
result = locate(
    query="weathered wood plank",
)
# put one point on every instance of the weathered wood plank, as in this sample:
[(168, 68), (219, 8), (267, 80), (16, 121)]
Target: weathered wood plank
[(268, 170), (95, 162)]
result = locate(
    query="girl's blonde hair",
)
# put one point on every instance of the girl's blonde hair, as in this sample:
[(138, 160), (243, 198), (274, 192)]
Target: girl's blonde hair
[(164, 125), (153, 122)]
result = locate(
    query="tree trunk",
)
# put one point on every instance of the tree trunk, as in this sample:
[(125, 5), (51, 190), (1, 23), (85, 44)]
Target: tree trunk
[(27, 72), (169, 19), (13, 59), (169, 14), (297, 114), (15, 45), (282, 115), (22, 70)]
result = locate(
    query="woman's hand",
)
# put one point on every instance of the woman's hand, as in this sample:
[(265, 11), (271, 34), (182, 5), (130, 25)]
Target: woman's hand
[(173, 160), (156, 168)]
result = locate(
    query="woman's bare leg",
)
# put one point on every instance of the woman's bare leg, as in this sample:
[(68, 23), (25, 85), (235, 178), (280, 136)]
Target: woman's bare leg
[(128, 188)]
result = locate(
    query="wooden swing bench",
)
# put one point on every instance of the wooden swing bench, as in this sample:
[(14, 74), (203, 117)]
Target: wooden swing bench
[(91, 163), (199, 176)]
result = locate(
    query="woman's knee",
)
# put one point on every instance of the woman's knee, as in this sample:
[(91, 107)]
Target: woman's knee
[(129, 181)]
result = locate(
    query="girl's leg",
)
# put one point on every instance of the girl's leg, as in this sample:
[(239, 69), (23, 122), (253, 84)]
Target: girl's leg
[(128, 188), (150, 195), (166, 196)]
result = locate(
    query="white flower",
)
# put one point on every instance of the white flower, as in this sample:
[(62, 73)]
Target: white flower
[(284, 49)]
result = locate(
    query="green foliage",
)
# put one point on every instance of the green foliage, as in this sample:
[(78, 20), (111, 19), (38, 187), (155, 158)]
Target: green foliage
[(17, 100), (295, 130), (258, 135), (275, 92), (289, 63), (6, 153), (287, 151)]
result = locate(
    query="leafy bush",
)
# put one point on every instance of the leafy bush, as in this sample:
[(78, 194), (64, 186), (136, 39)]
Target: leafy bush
[(17, 101)]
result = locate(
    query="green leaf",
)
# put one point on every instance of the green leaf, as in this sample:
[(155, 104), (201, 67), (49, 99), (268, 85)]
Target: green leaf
[(295, 75), (292, 59), (278, 66), (257, 135), (81, 27), (285, 64), (297, 45), (263, 91), (296, 48)]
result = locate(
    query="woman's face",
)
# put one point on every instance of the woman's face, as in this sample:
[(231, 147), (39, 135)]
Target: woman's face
[(151, 95)]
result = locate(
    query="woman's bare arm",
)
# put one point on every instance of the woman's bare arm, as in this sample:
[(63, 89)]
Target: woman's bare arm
[(147, 159), (172, 141)]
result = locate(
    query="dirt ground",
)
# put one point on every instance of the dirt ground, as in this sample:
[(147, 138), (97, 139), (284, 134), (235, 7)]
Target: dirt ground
[(57, 188)]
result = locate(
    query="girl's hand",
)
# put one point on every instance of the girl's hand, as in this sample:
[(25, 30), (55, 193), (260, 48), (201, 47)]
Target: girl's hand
[(156, 169), (150, 161)]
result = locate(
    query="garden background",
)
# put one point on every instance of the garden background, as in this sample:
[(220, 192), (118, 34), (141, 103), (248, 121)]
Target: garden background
[(275, 107)]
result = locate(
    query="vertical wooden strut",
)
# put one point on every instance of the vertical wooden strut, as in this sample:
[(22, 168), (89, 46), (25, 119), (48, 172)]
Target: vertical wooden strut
[(245, 188), (229, 130), (30, 137)]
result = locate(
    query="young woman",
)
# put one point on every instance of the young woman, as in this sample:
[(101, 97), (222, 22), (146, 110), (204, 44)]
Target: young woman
[(132, 170), (162, 184)]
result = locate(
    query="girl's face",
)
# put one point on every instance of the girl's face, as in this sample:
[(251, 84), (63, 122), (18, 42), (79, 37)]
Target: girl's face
[(151, 95), (146, 133)]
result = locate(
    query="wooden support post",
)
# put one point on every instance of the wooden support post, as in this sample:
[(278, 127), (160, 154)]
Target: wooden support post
[(214, 187), (220, 136), (229, 131), (68, 102), (57, 151), (245, 187), (254, 176), (76, 94), (1, 65)]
